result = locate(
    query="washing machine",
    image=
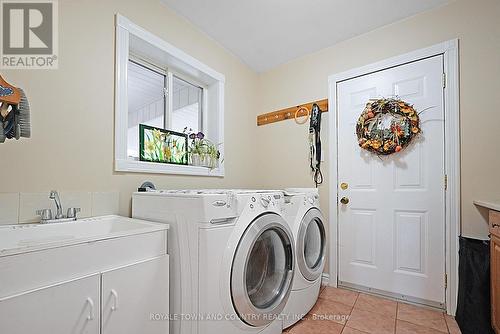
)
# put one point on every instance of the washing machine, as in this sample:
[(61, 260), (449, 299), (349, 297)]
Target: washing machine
[(232, 258), (302, 211)]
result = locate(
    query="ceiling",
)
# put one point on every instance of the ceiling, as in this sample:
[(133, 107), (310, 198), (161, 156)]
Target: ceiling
[(267, 33)]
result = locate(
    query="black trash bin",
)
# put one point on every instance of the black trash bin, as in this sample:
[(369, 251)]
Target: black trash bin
[(474, 305)]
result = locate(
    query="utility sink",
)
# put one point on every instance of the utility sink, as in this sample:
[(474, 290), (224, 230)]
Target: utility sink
[(53, 277), (17, 239)]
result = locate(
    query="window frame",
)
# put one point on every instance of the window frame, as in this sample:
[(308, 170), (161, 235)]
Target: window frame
[(188, 79), (157, 70), (168, 85), (154, 51)]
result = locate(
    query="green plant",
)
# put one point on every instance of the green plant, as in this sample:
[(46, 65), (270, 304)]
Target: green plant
[(202, 149)]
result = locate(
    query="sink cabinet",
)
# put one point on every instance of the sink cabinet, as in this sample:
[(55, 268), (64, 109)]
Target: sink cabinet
[(114, 286), (495, 283), (135, 298), (495, 269), (69, 307)]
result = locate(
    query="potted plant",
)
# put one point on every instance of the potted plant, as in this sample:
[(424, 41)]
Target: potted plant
[(202, 152)]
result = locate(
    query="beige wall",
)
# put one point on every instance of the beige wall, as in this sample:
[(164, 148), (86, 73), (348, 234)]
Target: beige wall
[(283, 146), (72, 107)]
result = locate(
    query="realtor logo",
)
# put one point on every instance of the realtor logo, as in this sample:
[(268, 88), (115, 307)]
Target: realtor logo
[(29, 34)]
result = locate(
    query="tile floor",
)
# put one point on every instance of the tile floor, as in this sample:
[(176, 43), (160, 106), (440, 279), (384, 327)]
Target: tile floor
[(340, 311)]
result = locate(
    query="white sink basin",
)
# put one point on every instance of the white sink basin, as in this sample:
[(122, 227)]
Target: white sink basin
[(15, 239)]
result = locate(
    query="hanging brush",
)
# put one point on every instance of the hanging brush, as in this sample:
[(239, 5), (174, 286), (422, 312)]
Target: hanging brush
[(14, 112), (24, 121)]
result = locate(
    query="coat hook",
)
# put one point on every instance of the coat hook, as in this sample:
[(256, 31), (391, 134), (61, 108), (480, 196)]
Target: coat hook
[(301, 112), (308, 114)]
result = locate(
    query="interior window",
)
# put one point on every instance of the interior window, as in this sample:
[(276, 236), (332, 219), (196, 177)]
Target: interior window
[(186, 106), (160, 86), (146, 102)]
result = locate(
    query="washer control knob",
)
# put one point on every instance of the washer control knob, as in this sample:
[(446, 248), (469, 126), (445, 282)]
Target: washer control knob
[(265, 202), (311, 200)]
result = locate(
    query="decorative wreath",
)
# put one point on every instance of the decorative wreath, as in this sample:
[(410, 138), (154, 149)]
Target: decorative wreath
[(387, 126)]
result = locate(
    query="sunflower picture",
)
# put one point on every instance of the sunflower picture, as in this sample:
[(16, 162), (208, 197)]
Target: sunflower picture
[(164, 146)]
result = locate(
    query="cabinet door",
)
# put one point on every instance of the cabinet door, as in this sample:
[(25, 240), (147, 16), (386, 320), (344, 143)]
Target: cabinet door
[(495, 283), (66, 308), (135, 298)]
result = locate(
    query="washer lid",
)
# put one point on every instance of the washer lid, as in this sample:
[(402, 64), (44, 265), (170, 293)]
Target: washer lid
[(311, 245), (262, 271)]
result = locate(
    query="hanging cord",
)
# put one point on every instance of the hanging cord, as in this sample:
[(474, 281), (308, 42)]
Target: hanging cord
[(315, 144)]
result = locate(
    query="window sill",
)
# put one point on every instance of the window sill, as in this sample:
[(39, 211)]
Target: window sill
[(134, 166)]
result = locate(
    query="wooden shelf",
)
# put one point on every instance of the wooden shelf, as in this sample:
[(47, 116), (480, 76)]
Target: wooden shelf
[(289, 113)]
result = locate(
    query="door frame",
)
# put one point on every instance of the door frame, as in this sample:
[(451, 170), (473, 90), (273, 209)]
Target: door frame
[(449, 51)]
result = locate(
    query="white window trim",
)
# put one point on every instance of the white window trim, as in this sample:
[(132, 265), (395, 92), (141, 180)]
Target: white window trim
[(212, 82)]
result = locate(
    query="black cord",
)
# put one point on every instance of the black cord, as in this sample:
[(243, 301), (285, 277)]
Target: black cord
[(315, 133)]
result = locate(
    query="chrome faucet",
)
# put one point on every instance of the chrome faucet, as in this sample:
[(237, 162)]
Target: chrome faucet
[(55, 196), (46, 214)]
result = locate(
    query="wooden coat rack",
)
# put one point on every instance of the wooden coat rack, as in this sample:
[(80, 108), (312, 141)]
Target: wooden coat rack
[(289, 113)]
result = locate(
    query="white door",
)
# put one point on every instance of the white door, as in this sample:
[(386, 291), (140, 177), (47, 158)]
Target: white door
[(135, 298), (66, 308), (392, 231)]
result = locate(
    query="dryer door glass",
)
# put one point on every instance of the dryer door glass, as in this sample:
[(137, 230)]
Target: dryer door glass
[(266, 269), (311, 245), (262, 271)]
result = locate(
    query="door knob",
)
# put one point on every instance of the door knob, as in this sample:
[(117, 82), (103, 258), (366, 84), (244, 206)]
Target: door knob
[(344, 200)]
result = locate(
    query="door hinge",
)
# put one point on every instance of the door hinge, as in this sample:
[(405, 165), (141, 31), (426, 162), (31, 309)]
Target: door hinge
[(445, 182), (444, 80), (446, 281)]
